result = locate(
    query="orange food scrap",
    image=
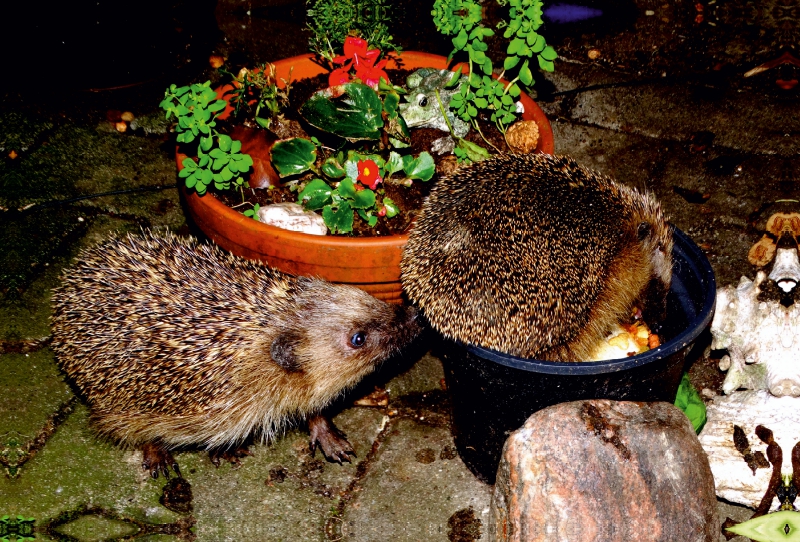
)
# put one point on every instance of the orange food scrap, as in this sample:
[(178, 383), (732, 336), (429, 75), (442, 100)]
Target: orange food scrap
[(216, 61)]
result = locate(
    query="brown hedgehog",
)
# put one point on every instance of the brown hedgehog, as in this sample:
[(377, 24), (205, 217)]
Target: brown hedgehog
[(175, 343), (536, 256)]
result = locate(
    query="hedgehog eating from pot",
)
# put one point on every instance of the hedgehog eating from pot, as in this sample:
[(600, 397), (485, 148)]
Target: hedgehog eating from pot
[(174, 343), (537, 257)]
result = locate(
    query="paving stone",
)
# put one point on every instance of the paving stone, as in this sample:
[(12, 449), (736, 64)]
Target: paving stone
[(424, 375), (32, 389), (75, 469), (281, 492), (411, 492)]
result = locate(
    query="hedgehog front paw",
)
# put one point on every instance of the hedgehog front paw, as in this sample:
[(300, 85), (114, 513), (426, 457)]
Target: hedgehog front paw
[(156, 459), (330, 439)]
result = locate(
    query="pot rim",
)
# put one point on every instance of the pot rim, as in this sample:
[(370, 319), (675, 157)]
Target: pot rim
[(687, 251)]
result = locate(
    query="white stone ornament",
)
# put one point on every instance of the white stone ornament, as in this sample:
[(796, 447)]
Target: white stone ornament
[(762, 337), (292, 216), (762, 387), (734, 479)]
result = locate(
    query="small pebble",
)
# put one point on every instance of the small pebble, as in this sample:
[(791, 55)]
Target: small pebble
[(127, 116), (593, 54), (649, 12)]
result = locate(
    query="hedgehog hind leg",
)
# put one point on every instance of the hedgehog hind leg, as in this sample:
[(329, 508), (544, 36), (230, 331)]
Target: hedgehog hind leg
[(329, 438), (157, 459)]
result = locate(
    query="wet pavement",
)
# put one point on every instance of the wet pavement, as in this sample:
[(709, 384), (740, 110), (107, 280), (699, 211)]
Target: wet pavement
[(663, 96)]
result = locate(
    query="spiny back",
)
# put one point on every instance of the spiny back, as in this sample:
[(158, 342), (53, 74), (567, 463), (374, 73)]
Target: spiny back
[(169, 300), (514, 253)]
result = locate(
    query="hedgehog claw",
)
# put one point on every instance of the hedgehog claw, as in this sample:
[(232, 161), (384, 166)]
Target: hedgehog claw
[(330, 440), (156, 459)]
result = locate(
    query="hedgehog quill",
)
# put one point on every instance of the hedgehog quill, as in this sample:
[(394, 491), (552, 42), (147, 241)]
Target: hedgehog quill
[(175, 343), (537, 257)]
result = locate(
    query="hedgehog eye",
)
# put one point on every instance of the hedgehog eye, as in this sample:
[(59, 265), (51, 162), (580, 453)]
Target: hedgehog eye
[(358, 339), (423, 101), (643, 230)]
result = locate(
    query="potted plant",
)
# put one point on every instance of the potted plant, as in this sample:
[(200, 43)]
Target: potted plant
[(329, 177)]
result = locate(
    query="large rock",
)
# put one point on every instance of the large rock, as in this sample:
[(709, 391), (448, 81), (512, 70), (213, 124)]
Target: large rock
[(604, 471)]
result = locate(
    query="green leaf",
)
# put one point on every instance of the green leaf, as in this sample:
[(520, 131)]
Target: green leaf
[(218, 105), (525, 74), (390, 103), (333, 169), (774, 527), (549, 53), (264, 123), (347, 188), (391, 207), (515, 46), (546, 65), (363, 199), (339, 220), (460, 40), (398, 144), (394, 164), (473, 151), (422, 167), (453, 79), (510, 62), (225, 143), (221, 162), (689, 401), (206, 143), (356, 115), (538, 43), (315, 195), (293, 156)]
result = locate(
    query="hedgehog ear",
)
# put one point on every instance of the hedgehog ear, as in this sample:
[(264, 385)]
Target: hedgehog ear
[(283, 354)]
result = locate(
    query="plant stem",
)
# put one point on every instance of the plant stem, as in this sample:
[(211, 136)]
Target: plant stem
[(478, 128), (444, 113)]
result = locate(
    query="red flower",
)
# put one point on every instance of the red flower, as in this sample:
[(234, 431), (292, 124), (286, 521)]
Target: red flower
[(363, 60), (369, 174), (355, 46), (371, 75), (339, 76)]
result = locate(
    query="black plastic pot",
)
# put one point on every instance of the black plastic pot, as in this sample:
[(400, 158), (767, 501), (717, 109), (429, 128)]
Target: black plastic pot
[(493, 393)]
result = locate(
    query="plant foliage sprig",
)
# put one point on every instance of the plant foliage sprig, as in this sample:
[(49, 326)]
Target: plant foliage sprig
[(219, 158), (347, 182), (332, 21), (257, 90), (462, 19)]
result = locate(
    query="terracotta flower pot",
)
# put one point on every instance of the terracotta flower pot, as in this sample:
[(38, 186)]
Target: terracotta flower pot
[(370, 263)]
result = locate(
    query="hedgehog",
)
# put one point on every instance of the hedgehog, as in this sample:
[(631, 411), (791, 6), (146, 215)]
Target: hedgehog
[(537, 257), (174, 343)]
